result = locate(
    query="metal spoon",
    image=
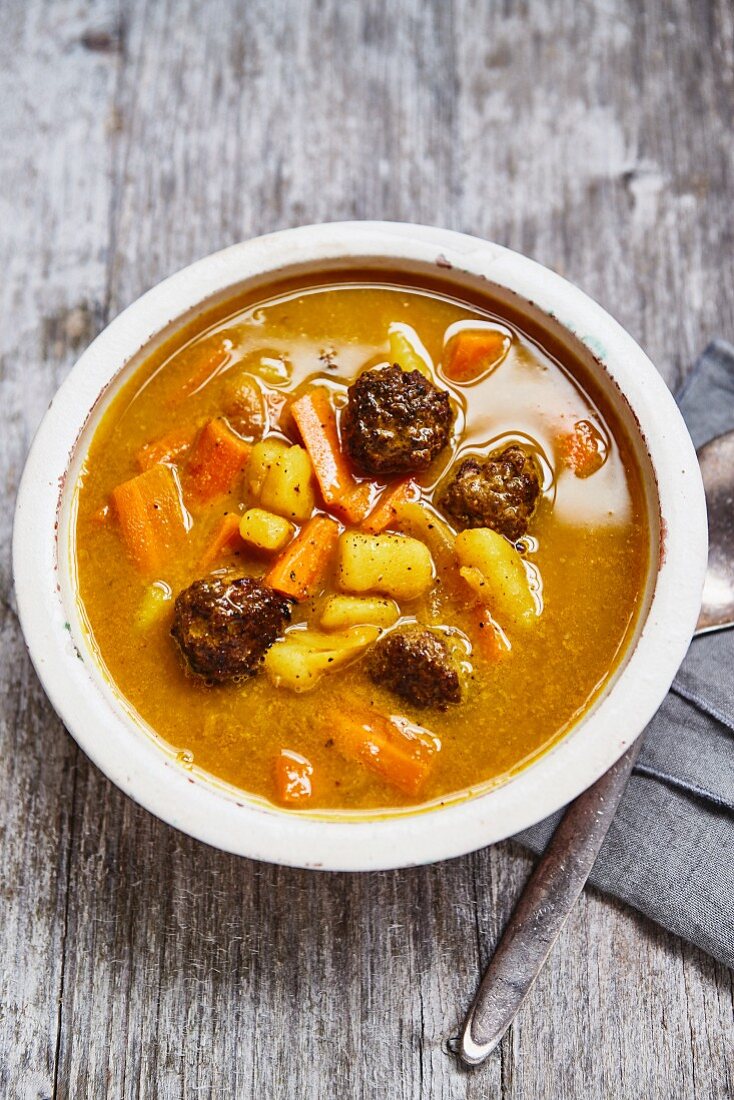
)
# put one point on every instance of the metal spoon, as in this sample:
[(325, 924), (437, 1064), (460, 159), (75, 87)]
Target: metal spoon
[(561, 873)]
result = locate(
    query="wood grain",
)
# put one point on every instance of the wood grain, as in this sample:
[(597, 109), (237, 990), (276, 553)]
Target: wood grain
[(135, 137)]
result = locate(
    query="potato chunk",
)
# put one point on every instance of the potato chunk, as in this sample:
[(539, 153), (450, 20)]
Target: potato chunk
[(156, 599), (345, 611), (265, 530), (264, 454), (415, 519), (404, 350), (395, 565), (494, 569), (300, 659), (288, 487)]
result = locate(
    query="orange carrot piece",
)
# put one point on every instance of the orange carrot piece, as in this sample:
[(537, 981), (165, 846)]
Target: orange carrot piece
[(151, 516), (217, 459), (583, 450), (227, 538), (316, 420), (304, 561), (207, 363), (492, 642), (293, 777), (473, 352), (385, 511), (396, 749), (169, 448)]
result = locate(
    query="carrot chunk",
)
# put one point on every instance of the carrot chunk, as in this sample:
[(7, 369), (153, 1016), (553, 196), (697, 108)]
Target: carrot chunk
[(396, 749), (151, 515), (584, 450), (385, 512), (303, 563), (206, 363), (171, 447), (226, 538), (473, 352), (217, 459), (293, 777), (316, 420), (492, 642)]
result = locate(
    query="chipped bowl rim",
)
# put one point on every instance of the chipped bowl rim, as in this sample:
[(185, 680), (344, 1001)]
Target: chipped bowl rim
[(103, 724)]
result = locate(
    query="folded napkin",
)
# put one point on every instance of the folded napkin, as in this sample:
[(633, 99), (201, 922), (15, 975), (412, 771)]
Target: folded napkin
[(670, 850)]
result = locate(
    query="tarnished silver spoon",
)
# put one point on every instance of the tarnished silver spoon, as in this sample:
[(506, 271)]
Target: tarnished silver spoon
[(561, 873)]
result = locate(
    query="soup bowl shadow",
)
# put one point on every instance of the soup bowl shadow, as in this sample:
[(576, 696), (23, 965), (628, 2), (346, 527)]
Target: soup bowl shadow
[(129, 753)]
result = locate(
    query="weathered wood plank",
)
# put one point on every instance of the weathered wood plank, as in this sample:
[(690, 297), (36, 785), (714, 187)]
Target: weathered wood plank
[(597, 138), (55, 190), (594, 137)]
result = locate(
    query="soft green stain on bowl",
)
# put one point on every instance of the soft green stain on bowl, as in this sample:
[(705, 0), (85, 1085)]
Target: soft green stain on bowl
[(593, 343), (595, 346)]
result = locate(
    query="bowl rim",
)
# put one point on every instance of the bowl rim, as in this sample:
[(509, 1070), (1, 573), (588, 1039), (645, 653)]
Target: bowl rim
[(228, 820)]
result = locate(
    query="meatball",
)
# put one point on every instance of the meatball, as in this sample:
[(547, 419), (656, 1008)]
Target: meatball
[(224, 627), (500, 492), (416, 664), (395, 422)]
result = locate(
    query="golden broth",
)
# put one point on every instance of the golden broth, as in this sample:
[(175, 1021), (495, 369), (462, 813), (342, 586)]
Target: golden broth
[(589, 540)]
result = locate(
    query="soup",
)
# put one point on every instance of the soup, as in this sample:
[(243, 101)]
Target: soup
[(355, 545)]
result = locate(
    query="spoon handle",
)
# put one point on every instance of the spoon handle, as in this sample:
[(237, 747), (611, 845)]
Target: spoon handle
[(549, 896)]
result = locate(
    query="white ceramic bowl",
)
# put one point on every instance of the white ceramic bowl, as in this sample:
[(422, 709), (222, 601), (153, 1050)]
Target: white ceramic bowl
[(127, 751)]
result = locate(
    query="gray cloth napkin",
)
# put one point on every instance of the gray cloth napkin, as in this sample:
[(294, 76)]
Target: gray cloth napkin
[(670, 850)]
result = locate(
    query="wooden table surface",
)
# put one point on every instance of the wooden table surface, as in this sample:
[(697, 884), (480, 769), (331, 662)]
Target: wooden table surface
[(138, 136)]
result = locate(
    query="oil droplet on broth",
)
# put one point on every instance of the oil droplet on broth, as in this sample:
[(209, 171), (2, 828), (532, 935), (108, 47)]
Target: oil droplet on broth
[(185, 758)]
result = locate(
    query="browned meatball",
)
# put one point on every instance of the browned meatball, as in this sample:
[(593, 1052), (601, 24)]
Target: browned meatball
[(416, 664), (395, 422), (224, 627), (500, 492)]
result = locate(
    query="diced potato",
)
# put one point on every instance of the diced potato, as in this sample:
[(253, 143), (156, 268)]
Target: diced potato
[(406, 350), (262, 458), (418, 520), (344, 611), (153, 604), (495, 571), (265, 530), (302, 657), (396, 565), (288, 488)]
